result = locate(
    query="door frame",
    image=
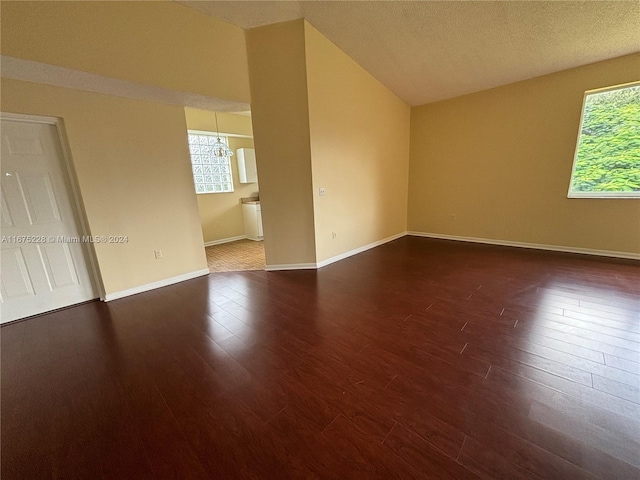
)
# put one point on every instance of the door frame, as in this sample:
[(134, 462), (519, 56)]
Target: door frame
[(69, 173)]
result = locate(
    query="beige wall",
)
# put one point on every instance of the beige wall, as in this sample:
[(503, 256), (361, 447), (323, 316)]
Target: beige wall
[(320, 120), (500, 161), (221, 213), (162, 44), (198, 119), (280, 117), (132, 163), (359, 150)]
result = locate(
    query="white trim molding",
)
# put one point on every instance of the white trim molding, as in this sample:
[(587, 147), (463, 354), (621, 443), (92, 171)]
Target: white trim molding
[(153, 285), (224, 240), (358, 250), (291, 266), (535, 246), (342, 256)]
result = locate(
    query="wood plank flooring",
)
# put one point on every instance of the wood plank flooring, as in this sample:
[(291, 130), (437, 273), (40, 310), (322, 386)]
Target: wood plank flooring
[(418, 359)]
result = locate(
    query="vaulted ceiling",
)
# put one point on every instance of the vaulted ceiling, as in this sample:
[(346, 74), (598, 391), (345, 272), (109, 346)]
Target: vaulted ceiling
[(426, 51)]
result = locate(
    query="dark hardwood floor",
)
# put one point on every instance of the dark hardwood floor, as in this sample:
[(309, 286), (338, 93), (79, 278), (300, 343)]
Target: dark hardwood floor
[(418, 359)]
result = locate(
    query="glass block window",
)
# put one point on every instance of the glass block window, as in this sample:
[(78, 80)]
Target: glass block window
[(210, 174)]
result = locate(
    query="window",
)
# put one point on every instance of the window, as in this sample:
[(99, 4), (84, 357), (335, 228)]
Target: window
[(210, 174), (607, 160)]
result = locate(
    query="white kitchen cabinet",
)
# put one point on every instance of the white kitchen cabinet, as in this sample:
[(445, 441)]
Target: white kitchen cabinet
[(252, 214), (247, 170)]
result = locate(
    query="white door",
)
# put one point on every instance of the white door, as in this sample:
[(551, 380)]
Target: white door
[(41, 268)]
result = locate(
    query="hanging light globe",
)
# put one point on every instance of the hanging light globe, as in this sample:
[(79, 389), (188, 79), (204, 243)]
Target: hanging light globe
[(219, 149)]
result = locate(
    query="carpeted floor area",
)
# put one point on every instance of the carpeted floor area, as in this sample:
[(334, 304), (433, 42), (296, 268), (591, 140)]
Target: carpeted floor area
[(236, 256)]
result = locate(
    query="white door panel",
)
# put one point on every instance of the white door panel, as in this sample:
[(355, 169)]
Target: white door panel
[(40, 198), (39, 271), (13, 200), (6, 214), (16, 281), (24, 144), (59, 265)]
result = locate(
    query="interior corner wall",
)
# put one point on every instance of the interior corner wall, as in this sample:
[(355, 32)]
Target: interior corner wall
[(161, 44), (134, 175), (497, 165), (359, 134), (280, 118), (221, 213)]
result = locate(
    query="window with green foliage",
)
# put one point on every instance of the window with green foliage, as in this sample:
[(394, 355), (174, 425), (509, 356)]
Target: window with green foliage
[(607, 161)]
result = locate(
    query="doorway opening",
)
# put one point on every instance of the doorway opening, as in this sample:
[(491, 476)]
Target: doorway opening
[(227, 189)]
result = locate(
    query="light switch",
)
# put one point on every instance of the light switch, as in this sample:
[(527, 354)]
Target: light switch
[(322, 191)]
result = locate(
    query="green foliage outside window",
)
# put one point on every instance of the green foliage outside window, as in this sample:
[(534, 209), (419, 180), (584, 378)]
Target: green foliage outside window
[(608, 155)]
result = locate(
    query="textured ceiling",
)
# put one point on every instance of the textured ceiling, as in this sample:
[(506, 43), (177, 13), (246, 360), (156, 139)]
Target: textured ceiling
[(426, 51)]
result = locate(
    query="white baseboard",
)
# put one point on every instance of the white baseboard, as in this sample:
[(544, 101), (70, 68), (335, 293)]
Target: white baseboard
[(154, 285), (358, 250), (535, 246), (291, 266), (342, 256), (224, 240)]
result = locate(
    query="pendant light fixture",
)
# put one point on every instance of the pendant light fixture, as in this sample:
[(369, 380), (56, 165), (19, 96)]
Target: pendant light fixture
[(219, 148)]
